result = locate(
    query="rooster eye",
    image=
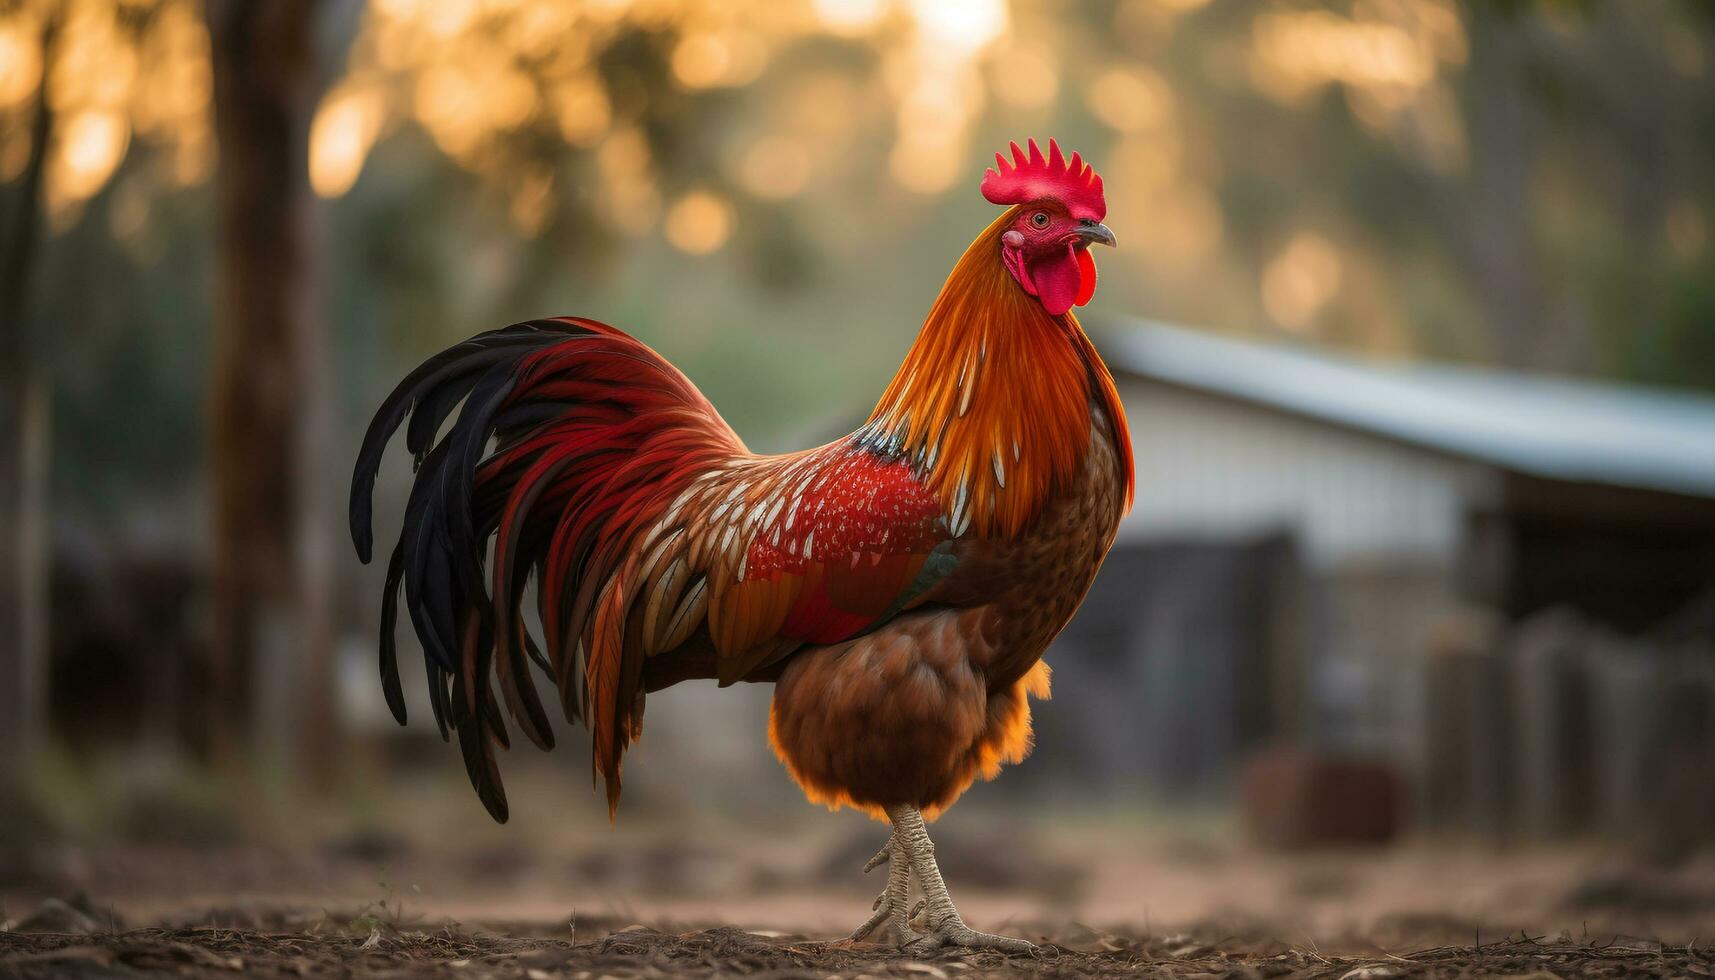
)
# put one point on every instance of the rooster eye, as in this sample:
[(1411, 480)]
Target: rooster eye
[(1039, 219)]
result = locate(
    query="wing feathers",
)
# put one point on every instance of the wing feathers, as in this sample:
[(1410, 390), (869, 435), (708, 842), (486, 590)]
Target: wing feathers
[(599, 469)]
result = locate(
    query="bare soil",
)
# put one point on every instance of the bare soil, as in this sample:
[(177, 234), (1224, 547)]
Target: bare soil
[(327, 949), (311, 944), (441, 893)]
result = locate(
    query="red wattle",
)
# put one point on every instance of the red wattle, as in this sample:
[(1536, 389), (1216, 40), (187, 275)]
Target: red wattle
[(1057, 281), (1086, 277)]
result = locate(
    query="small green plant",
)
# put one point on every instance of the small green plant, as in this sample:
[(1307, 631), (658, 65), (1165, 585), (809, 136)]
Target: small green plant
[(386, 914)]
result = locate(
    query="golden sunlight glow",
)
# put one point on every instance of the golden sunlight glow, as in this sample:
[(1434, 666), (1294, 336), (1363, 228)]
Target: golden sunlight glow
[(699, 223), (1387, 57), (95, 64), (472, 73), (775, 168), (939, 89), (1151, 185), (548, 31), (849, 16), (819, 110), (607, 11), (449, 106), (705, 60), (631, 205), (1296, 53), (20, 62), (1130, 100), (623, 153), (629, 199), (464, 104), (396, 9), (341, 135), (582, 110), (88, 150), (927, 162), (1024, 75), (1439, 21), (1300, 281), (959, 26), (446, 18), (1144, 165), (1184, 226), (936, 103), (175, 91)]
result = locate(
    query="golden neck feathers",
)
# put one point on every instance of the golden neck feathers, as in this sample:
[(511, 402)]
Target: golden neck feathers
[(992, 403)]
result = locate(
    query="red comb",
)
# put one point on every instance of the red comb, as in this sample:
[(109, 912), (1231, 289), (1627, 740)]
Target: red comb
[(1073, 183)]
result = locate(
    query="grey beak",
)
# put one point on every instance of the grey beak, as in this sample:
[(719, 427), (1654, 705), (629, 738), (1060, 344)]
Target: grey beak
[(1094, 232)]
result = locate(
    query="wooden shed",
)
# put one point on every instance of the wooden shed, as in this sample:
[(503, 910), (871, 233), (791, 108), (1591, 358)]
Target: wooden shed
[(1351, 543)]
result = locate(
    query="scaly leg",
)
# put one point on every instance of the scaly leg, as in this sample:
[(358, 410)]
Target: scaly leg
[(945, 927), (891, 910)]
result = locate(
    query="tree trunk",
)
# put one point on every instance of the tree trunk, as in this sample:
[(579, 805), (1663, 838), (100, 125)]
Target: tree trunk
[(1500, 253), (23, 623), (271, 637)]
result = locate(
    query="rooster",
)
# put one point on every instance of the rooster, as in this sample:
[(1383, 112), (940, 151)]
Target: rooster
[(898, 586)]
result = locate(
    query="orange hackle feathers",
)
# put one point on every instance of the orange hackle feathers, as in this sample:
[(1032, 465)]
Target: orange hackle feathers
[(993, 400)]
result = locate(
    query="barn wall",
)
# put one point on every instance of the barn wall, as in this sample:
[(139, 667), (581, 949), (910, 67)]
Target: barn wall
[(1382, 529), (1215, 467)]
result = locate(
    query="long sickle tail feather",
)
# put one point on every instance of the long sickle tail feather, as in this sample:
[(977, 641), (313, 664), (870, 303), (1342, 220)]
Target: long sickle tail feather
[(552, 416)]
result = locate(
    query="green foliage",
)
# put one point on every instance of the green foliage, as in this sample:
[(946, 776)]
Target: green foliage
[(1568, 227)]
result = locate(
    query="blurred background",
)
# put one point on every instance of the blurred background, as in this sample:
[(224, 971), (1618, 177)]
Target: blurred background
[(1412, 627)]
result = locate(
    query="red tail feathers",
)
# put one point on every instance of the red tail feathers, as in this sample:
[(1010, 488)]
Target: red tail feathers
[(594, 434)]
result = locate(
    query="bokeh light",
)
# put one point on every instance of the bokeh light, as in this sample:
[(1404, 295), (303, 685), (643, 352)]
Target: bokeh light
[(639, 115), (345, 127), (1301, 280), (699, 222), (775, 167)]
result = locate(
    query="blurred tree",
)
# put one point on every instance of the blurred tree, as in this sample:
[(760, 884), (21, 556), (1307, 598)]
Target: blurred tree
[(23, 653), (77, 79), (268, 421), (1497, 242)]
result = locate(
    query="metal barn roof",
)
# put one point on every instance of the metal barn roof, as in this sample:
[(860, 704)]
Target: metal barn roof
[(1557, 428)]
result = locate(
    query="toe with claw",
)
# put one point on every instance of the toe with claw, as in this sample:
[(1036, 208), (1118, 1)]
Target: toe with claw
[(952, 931), (909, 854), (888, 922)]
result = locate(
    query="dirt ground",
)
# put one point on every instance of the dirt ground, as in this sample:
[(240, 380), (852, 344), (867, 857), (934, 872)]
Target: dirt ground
[(330, 949), (228, 912), (432, 889)]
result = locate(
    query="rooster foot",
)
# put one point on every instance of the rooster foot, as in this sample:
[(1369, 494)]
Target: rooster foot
[(952, 931), (944, 927), (888, 923)]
